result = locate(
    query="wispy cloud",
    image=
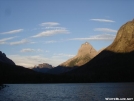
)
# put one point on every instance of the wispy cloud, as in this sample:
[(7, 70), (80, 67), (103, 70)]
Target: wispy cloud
[(51, 32), (102, 20), (23, 41), (33, 42), (27, 50), (3, 41), (30, 61), (97, 37), (13, 31), (51, 41), (50, 24), (39, 50), (63, 55), (54, 28), (31, 50), (105, 30)]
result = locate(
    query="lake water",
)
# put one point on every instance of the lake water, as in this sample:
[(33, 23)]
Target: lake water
[(67, 92)]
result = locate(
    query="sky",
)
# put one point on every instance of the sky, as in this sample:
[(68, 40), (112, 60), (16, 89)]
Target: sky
[(33, 32)]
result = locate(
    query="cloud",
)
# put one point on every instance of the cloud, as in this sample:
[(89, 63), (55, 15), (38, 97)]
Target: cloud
[(27, 50), (3, 41), (31, 61), (51, 32), (39, 50), (97, 37), (13, 31), (63, 55), (52, 41), (49, 24), (105, 30), (6, 39), (33, 42), (46, 51), (31, 50), (54, 28), (102, 20), (23, 41)]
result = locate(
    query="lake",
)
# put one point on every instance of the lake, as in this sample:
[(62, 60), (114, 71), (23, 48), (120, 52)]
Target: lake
[(67, 92)]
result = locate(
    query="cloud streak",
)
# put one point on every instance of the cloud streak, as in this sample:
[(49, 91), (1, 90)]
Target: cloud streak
[(51, 41), (102, 20), (30, 50), (97, 37), (51, 32), (3, 41), (13, 31), (49, 24), (105, 30), (27, 50), (63, 55), (23, 41), (30, 61)]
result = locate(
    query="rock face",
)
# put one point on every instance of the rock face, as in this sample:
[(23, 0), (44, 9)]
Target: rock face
[(85, 54), (5, 59), (43, 67), (124, 41)]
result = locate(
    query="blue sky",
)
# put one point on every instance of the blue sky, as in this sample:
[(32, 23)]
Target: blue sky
[(52, 31)]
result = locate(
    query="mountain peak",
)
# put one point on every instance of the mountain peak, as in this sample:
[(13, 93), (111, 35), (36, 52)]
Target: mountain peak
[(5, 59), (124, 41), (85, 49), (85, 54)]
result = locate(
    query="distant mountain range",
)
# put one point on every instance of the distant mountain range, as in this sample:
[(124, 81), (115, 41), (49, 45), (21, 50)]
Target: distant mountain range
[(43, 68)]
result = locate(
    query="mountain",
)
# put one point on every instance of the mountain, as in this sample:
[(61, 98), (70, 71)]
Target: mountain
[(124, 41), (85, 54), (5, 59), (114, 64), (42, 67)]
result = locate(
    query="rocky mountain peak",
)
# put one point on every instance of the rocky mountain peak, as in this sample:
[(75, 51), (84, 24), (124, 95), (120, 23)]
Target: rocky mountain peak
[(44, 65), (87, 48), (124, 41), (85, 54)]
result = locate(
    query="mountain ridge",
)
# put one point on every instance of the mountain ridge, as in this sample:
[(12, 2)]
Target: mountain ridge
[(5, 59)]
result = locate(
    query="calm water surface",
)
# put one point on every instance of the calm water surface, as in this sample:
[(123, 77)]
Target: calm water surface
[(66, 92)]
